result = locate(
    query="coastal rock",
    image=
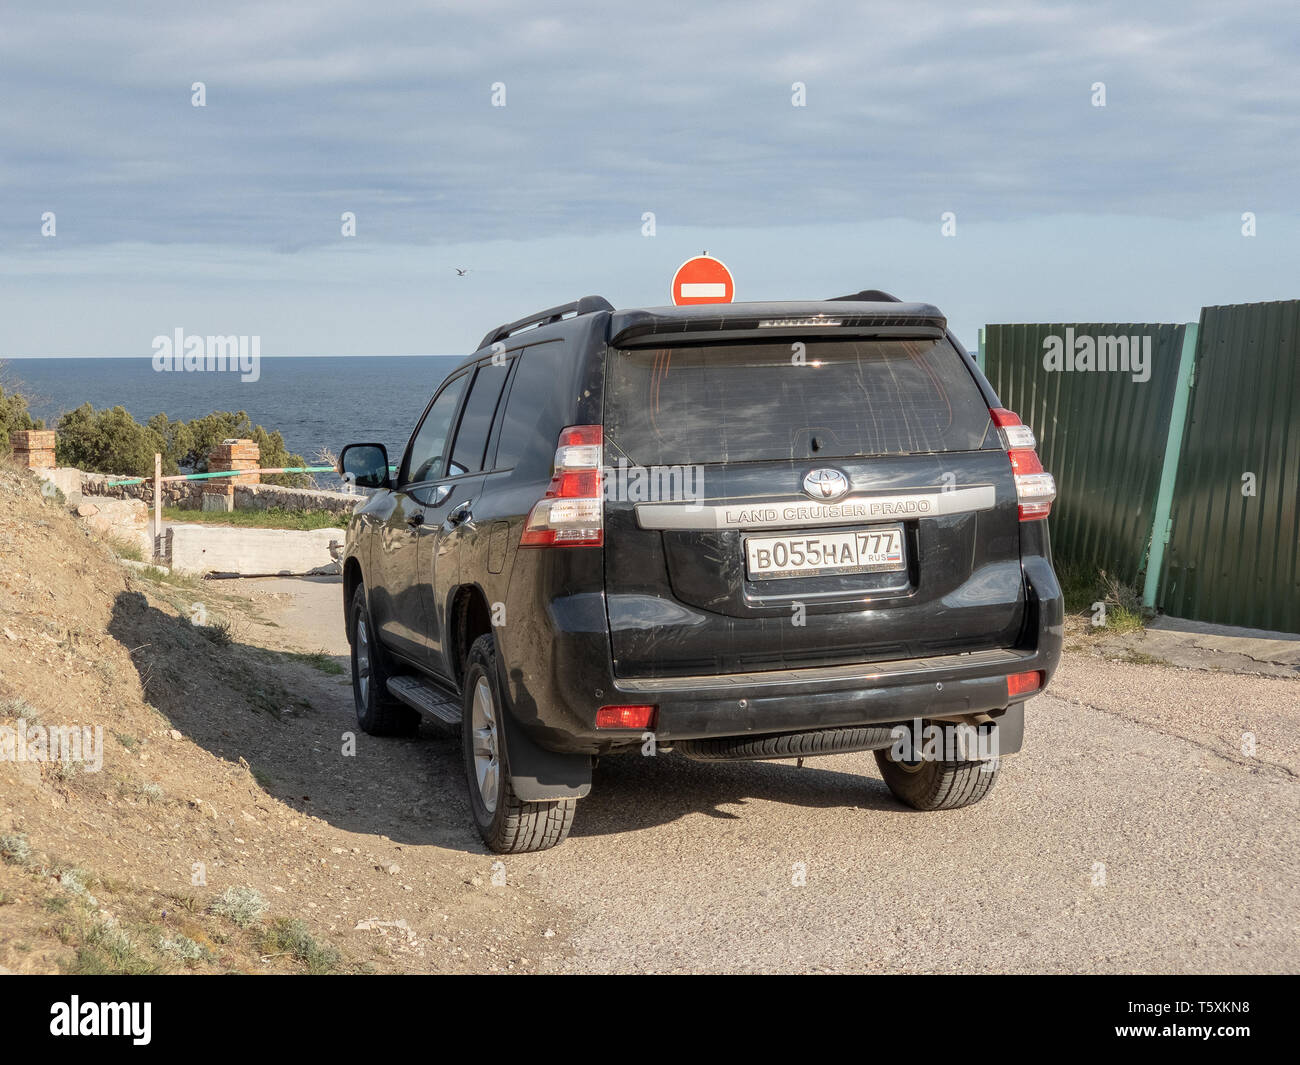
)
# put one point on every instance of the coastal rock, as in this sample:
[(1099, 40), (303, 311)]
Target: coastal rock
[(124, 520)]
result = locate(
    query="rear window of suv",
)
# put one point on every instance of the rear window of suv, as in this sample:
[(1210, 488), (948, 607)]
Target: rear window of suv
[(834, 399)]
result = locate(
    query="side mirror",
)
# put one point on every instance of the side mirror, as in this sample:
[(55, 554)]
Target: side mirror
[(365, 465)]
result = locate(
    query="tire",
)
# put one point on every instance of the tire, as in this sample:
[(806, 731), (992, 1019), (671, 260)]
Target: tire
[(787, 744), (507, 824), (378, 713), (937, 785)]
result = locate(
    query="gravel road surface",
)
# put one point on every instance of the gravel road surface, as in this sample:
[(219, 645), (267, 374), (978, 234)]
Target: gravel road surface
[(1135, 833)]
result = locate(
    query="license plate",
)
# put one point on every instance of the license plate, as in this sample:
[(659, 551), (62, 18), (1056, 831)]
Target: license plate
[(872, 549)]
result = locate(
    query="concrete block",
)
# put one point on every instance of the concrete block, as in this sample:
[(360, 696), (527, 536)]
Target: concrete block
[(67, 479), (220, 549), (121, 519), (219, 502)]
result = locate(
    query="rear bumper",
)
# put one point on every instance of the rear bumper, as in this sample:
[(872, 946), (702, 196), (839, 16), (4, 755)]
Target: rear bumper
[(804, 699), (557, 678)]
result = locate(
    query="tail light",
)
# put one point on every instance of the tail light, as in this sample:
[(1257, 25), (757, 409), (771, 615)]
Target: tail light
[(1024, 683), (640, 716), (572, 513), (1035, 488)]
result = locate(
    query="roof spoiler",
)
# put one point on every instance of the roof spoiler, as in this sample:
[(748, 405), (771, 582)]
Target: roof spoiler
[(552, 314), (867, 295)]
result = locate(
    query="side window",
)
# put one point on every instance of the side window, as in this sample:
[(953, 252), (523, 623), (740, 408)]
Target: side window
[(424, 460), (528, 426), (476, 422)]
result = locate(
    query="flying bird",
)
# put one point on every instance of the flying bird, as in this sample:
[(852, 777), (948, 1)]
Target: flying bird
[(460, 272)]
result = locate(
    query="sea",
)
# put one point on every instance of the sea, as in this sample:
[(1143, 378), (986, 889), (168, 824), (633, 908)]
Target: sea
[(314, 402)]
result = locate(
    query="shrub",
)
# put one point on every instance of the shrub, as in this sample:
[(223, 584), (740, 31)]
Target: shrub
[(124, 548), (109, 950), (74, 882), (20, 708), (188, 444), (15, 849), (182, 948), (14, 417), (287, 936), (109, 441), (220, 632), (149, 792), (1083, 587), (243, 905)]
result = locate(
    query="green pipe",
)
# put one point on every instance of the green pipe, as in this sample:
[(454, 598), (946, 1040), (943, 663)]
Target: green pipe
[(220, 473), (225, 473), (979, 358), (1161, 524)]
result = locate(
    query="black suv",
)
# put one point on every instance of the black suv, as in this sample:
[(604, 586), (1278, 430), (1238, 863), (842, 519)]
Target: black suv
[(739, 531)]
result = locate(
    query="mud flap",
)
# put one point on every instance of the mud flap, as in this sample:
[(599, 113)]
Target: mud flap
[(539, 775), (1010, 729)]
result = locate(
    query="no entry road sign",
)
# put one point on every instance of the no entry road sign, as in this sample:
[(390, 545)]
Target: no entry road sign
[(703, 280)]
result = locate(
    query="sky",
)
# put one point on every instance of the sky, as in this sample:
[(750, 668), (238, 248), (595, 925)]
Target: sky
[(228, 217)]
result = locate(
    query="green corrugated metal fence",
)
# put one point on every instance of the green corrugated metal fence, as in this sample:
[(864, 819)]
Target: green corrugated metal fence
[(1221, 554), (1101, 434), (1234, 558)]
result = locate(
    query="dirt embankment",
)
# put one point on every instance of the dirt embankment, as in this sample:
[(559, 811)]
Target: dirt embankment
[(214, 819)]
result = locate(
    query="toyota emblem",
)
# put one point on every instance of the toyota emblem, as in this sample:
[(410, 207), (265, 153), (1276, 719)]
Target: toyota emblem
[(825, 484)]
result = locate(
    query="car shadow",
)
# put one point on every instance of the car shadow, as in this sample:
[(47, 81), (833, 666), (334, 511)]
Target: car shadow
[(630, 792), (290, 720)]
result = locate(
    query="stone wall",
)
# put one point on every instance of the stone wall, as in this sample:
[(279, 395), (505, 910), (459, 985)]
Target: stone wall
[(185, 494), (189, 494), (243, 491), (266, 496)]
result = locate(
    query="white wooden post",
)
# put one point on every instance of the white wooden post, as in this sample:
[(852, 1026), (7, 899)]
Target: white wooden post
[(157, 502)]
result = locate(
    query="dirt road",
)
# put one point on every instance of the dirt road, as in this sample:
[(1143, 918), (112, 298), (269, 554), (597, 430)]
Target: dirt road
[(1134, 833)]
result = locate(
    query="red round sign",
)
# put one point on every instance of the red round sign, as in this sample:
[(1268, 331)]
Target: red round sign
[(702, 280)]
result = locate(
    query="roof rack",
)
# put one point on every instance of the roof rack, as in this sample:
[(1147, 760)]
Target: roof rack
[(552, 314), (869, 295)]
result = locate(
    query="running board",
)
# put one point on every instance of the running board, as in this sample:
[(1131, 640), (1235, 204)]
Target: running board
[(426, 697)]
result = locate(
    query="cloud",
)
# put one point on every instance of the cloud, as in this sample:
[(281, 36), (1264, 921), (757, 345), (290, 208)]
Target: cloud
[(317, 108)]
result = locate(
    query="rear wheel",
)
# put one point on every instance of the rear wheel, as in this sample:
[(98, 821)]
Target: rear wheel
[(507, 824), (931, 784), (378, 713)]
